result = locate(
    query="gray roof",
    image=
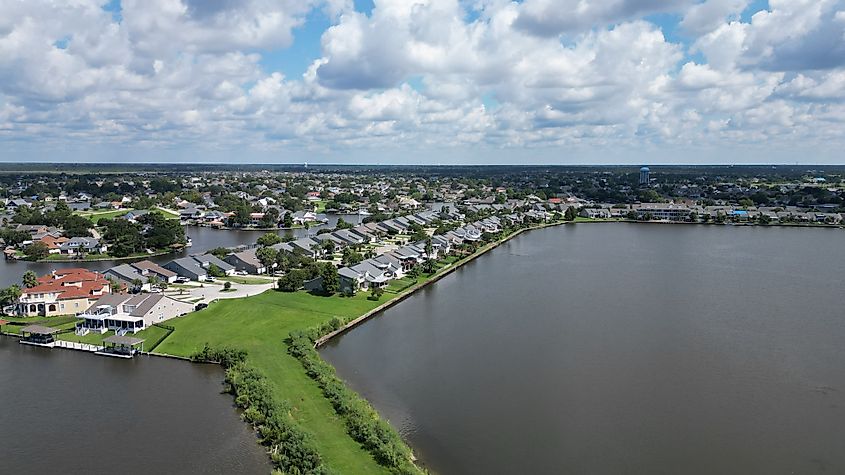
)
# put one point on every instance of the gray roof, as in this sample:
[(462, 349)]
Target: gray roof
[(39, 330), (206, 260), (125, 272)]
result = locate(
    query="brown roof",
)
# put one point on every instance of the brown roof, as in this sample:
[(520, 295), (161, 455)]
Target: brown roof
[(153, 267)]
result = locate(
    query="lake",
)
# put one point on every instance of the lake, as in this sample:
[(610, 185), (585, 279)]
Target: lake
[(64, 411), (619, 348), (203, 239)]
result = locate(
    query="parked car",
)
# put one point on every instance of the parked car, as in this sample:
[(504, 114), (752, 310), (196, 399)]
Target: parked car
[(210, 279), (200, 306), (181, 280), (240, 272)]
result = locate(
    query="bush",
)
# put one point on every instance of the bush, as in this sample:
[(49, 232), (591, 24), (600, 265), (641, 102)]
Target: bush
[(291, 448), (362, 421)]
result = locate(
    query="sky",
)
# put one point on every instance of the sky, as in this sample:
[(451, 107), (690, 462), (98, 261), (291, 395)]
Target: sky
[(423, 81)]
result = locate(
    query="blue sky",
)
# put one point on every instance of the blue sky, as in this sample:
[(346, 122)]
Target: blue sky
[(423, 81)]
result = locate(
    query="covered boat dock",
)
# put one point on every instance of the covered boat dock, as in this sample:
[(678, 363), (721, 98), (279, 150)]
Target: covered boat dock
[(121, 346), (38, 335)]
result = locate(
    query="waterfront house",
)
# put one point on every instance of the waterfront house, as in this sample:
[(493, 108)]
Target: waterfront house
[(351, 281), (62, 292), (82, 245), (149, 269), (187, 268), (246, 261), (127, 313), (127, 275), (207, 260)]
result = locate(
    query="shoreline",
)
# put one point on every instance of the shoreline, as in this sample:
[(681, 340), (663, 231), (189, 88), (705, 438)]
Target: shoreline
[(105, 259), (434, 278)]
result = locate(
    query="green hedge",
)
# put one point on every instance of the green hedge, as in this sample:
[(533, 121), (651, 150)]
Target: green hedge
[(362, 421), (292, 449)]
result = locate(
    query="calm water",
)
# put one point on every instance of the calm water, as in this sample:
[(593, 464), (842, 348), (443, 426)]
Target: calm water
[(65, 411), (621, 348), (203, 239)]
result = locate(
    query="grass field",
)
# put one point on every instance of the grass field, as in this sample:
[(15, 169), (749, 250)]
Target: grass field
[(151, 336), (96, 216), (61, 322), (259, 324)]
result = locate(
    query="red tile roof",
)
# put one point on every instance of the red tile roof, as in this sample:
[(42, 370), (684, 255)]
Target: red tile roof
[(71, 283)]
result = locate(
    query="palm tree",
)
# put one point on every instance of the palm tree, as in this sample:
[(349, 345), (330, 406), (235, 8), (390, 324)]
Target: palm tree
[(30, 280)]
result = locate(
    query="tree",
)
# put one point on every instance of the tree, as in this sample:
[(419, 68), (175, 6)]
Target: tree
[(137, 284), (570, 214), (632, 215), (124, 238), (10, 295), (287, 221), (267, 256), (350, 257), (215, 271), (37, 250), (227, 286), (292, 281), (328, 246), (269, 239), (331, 279), (376, 292), (30, 280), (77, 226), (342, 224), (219, 252)]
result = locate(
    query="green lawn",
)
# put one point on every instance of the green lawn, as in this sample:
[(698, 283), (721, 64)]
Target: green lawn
[(259, 324), (150, 336), (60, 322), (96, 216), (167, 213)]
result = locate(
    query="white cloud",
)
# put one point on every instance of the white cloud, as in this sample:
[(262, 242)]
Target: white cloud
[(484, 75)]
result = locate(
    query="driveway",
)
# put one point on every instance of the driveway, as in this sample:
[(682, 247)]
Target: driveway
[(207, 292)]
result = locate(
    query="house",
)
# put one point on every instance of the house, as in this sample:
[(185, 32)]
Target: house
[(127, 275), (62, 292), (82, 245), (53, 243), (307, 246), (149, 268), (246, 261), (14, 205), (127, 313), (207, 260), (133, 215), (351, 281), (595, 213), (188, 268)]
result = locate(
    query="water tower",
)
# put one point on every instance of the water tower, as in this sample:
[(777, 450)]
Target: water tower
[(644, 176)]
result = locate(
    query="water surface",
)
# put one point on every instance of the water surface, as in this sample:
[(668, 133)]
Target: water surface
[(70, 412), (620, 348)]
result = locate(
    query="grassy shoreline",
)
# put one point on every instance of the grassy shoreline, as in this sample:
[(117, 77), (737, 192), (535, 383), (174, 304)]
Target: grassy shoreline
[(262, 326)]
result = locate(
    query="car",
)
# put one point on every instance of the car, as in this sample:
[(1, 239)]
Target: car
[(182, 280), (210, 279), (200, 306), (240, 272)]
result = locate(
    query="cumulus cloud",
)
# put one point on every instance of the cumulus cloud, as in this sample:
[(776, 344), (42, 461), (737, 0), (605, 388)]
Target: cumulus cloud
[(486, 74)]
